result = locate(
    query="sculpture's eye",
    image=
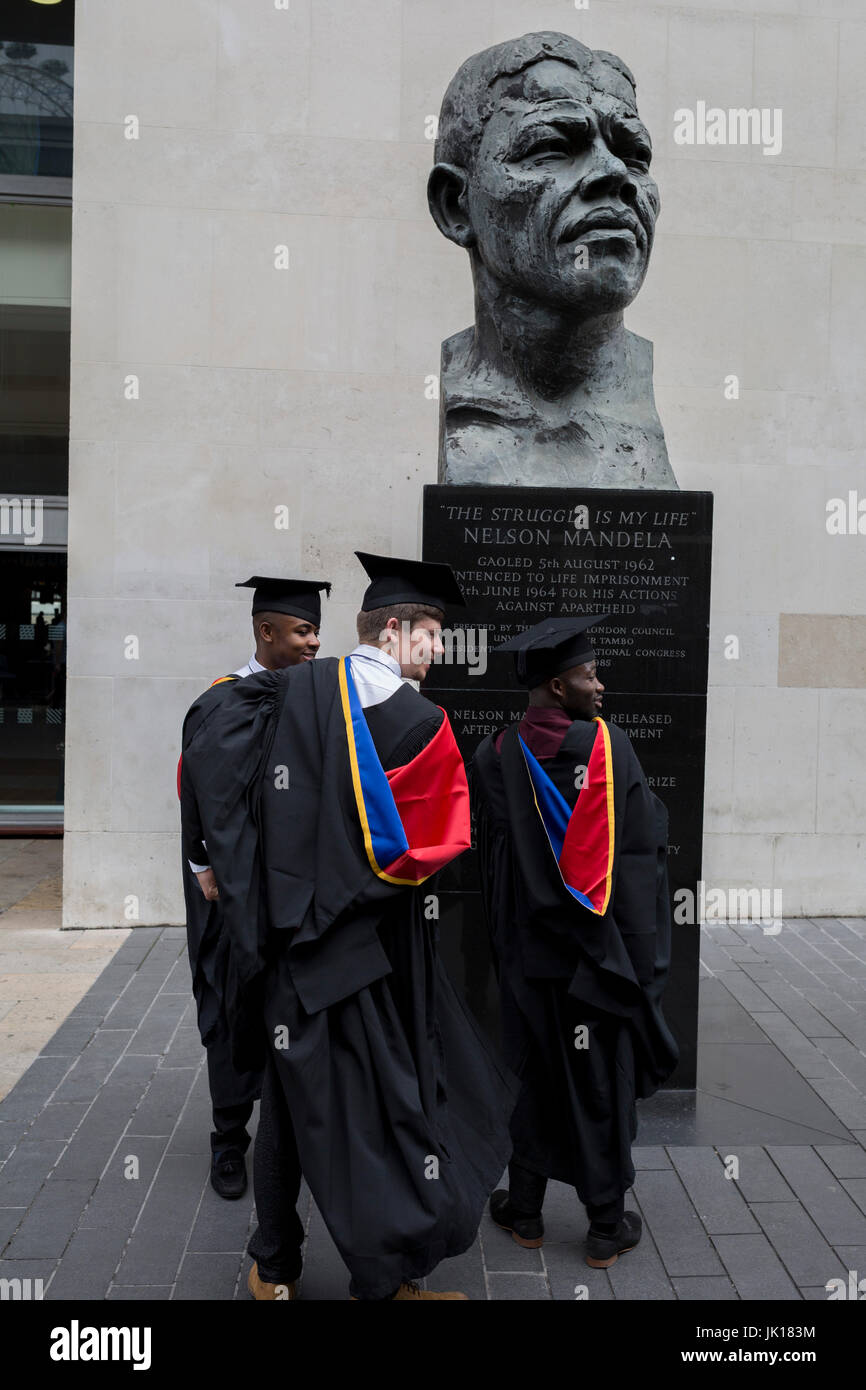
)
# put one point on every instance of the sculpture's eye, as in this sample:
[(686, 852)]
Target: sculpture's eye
[(641, 155), (552, 148)]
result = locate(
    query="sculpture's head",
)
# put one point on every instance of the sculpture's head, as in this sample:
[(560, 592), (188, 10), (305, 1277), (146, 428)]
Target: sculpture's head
[(542, 173)]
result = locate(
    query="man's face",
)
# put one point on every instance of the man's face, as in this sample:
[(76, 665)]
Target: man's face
[(579, 691), (286, 641), (561, 201), (415, 648)]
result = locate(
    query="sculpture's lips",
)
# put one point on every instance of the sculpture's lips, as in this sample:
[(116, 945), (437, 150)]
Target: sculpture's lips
[(605, 219)]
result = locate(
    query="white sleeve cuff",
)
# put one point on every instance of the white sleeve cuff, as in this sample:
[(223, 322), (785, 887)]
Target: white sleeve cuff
[(197, 868)]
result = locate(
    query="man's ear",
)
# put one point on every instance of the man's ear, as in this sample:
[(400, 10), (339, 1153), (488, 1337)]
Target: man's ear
[(447, 198)]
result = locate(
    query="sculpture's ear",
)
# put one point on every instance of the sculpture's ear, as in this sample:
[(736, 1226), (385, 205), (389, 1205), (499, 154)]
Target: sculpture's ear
[(447, 196)]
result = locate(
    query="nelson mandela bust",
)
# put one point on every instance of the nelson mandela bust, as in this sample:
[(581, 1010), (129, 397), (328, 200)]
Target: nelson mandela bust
[(542, 175)]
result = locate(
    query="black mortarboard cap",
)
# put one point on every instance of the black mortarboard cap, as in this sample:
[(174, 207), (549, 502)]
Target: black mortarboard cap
[(548, 648), (297, 597), (408, 581)]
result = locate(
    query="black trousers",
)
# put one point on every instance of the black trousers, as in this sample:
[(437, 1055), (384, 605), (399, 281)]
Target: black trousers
[(277, 1240), (526, 1191), (229, 1121)]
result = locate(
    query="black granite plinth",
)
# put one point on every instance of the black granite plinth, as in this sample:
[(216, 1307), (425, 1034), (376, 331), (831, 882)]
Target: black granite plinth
[(643, 557)]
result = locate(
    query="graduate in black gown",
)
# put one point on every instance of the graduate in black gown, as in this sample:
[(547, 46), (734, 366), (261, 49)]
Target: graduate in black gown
[(572, 854), (287, 615), (330, 795)]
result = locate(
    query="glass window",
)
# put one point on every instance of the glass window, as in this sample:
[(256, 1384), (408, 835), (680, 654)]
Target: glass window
[(36, 89)]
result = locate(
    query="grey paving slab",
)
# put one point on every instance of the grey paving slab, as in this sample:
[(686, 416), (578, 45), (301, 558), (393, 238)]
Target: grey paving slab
[(765, 1082), (11, 1132), (714, 1196), (755, 1268), (178, 980), (157, 1245), (130, 1009), (830, 1207), (94, 1141), (119, 1195), (159, 1026), (640, 1274), (564, 1216), (162, 958), (157, 1114), (814, 1295), (747, 993), (10, 1220), (71, 1038), (845, 1160), (185, 1049), (50, 1221), (142, 1293), (88, 1264), (463, 1274), (849, 1060), (29, 1269), (706, 1290), (220, 1226), (798, 1009), (797, 1241), (501, 1252), (84, 1078), (208, 1277), (856, 1189), (519, 1287), (26, 1169), (568, 1274), (844, 1017), (28, 1095), (192, 1135), (803, 1054), (722, 1019), (759, 1179), (682, 1242), (58, 1120), (650, 1156), (324, 1277), (108, 1042), (844, 1100)]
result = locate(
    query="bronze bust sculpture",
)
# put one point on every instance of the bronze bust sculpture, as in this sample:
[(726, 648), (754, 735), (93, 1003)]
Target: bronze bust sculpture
[(542, 175)]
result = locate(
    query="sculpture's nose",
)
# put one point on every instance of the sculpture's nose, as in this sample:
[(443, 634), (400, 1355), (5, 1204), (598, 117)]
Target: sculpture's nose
[(607, 173)]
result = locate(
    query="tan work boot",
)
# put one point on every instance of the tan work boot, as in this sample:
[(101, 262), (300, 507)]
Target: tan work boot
[(262, 1292), (412, 1291)]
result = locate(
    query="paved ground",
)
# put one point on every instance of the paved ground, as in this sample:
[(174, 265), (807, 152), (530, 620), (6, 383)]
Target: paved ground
[(44, 971), (104, 1187)]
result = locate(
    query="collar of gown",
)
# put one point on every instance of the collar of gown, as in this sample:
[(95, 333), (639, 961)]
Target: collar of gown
[(370, 653), (542, 730)]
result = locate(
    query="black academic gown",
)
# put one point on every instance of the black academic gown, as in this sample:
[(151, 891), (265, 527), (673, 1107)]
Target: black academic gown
[(399, 1108), (562, 968), (229, 1086)]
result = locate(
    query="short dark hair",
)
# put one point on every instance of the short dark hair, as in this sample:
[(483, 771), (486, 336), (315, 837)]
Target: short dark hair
[(370, 624), (470, 99)]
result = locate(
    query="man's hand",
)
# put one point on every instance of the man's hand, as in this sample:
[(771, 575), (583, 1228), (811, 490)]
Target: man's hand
[(208, 884)]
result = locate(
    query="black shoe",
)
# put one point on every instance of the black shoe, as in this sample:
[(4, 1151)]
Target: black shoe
[(228, 1173), (528, 1231), (603, 1251)]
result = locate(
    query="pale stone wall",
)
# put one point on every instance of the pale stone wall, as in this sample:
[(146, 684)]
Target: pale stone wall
[(261, 387)]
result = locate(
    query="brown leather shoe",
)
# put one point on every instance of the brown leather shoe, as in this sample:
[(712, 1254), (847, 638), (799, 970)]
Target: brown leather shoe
[(411, 1291), (262, 1292)]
